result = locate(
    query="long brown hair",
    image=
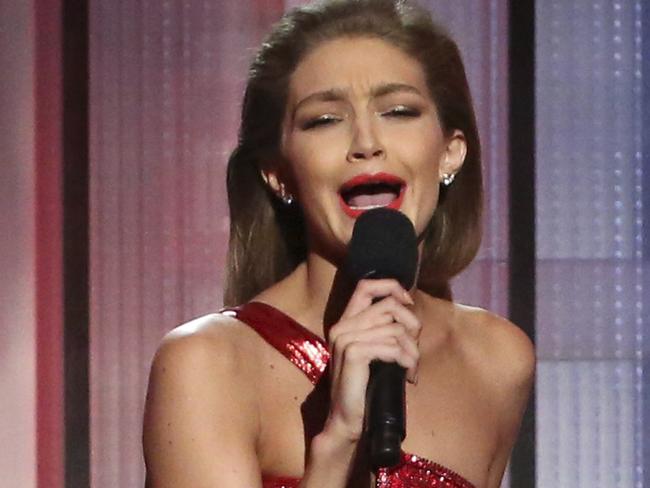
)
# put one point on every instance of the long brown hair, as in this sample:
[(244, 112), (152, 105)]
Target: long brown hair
[(267, 239)]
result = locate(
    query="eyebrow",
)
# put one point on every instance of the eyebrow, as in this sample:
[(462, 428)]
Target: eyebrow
[(337, 94)]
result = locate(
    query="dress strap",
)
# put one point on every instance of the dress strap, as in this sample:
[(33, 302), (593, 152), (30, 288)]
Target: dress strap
[(302, 347)]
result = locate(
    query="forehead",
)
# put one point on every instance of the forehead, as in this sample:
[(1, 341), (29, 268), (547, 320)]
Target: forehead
[(354, 64)]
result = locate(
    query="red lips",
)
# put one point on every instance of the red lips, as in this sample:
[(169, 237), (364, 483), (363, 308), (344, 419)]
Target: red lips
[(366, 191)]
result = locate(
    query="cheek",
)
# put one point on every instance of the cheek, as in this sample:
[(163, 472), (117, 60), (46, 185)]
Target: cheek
[(425, 209), (425, 165), (313, 167), (309, 178), (313, 190), (424, 161), (428, 191)]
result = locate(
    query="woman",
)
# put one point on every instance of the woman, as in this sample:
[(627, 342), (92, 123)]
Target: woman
[(349, 105)]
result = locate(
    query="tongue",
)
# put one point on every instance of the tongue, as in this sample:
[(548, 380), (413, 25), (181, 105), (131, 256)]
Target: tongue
[(377, 200)]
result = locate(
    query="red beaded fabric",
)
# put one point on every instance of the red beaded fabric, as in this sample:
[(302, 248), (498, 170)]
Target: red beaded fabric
[(309, 353)]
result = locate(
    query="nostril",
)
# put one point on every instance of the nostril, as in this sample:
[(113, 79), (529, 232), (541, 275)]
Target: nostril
[(367, 154)]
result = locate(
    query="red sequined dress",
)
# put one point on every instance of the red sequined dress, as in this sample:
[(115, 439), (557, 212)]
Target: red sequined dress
[(309, 353)]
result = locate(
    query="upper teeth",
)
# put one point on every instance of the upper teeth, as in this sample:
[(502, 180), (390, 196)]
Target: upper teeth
[(367, 207)]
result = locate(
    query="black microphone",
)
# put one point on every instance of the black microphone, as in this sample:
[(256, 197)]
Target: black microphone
[(384, 245)]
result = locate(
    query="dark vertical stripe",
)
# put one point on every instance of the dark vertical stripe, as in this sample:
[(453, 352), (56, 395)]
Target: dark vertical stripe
[(522, 210), (76, 242)]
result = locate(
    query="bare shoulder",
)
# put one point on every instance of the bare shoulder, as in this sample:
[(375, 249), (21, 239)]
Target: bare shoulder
[(504, 356), (213, 340), (504, 351), (201, 400), (210, 349)]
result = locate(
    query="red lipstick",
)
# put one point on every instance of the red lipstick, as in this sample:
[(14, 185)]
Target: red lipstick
[(388, 192)]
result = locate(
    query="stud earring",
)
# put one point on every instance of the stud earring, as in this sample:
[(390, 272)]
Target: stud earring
[(287, 198), (448, 179)]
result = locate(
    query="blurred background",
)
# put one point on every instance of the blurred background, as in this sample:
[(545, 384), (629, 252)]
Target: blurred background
[(116, 120)]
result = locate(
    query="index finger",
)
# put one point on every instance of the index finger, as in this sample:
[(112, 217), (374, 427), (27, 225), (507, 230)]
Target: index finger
[(367, 290)]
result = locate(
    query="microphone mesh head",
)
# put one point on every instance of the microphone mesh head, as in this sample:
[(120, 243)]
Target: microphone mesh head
[(383, 245)]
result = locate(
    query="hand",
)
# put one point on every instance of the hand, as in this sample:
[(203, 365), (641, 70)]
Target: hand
[(387, 331)]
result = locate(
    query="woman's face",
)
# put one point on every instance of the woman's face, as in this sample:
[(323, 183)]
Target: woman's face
[(361, 131)]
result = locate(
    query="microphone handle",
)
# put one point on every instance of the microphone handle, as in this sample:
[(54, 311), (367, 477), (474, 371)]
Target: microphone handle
[(385, 416)]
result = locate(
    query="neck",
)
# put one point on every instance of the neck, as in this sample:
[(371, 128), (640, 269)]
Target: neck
[(320, 293), (319, 278)]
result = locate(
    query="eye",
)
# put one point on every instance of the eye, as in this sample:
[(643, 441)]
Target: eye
[(320, 121), (402, 111)]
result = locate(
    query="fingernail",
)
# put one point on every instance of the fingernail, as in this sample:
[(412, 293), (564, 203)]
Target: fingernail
[(408, 298)]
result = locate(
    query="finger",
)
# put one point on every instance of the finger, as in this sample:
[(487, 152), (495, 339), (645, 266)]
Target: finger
[(362, 353), (388, 330), (372, 316), (390, 334), (367, 290), (375, 334), (400, 314), (386, 310), (382, 313), (411, 348)]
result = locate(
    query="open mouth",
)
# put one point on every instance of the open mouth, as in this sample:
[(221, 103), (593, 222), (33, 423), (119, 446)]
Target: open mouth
[(365, 192)]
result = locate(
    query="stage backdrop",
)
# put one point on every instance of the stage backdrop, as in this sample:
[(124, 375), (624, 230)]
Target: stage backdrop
[(592, 272), (166, 84)]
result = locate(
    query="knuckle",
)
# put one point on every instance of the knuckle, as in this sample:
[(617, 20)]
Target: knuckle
[(407, 360), (339, 341), (335, 332), (399, 329), (364, 285), (394, 302), (339, 345), (413, 339), (390, 302)]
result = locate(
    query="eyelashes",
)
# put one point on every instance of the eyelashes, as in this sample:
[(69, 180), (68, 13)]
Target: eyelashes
[(402, 111), (398, 112), (319, 122)]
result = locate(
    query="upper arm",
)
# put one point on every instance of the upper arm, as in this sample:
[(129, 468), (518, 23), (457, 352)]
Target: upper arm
[(513, 379), (200, 421)]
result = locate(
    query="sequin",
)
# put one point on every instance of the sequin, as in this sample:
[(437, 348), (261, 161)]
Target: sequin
[(418, 472), (309, 353), (299, 345)]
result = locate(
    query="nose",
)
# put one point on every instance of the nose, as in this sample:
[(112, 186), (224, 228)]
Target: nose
[(365, 144)]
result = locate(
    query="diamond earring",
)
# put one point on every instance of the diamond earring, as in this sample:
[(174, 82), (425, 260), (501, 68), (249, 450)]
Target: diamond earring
[(448, 179), (287, 198)]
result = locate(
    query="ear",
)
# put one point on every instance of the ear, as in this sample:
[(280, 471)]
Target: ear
[(277, 183), (454, 154), (270, 177)]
